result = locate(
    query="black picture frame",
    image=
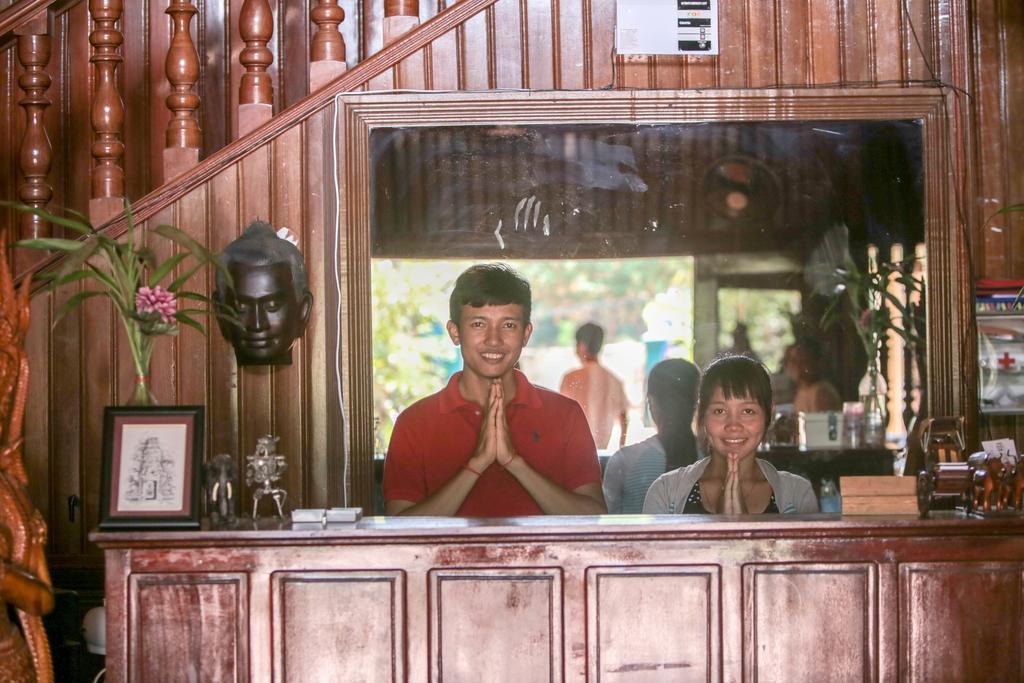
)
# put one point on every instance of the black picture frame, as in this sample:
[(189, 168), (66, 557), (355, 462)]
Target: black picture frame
[(152, 462)]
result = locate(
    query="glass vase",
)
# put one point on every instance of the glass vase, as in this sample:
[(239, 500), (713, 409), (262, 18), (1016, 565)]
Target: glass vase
[(872, 395), (141, 347)]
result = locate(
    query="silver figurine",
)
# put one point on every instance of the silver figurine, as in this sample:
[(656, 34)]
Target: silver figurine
[(264, 467)]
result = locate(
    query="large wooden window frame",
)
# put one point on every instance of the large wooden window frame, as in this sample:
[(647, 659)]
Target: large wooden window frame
[(951, 367)]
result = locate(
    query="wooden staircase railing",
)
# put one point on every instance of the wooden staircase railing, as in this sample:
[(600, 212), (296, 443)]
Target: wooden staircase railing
[(326, 55), (31, 22)]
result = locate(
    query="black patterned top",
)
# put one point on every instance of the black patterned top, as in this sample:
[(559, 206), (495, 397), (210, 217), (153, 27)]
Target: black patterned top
[(694, 505)]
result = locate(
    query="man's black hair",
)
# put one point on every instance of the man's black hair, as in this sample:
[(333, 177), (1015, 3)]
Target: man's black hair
[(591, 335), (489, 284)]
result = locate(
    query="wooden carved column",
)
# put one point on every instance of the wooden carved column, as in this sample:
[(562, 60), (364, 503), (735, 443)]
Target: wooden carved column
[(256, 92), (36, 152), (327, 51), (400, 17), (181, 150), (107, 113)]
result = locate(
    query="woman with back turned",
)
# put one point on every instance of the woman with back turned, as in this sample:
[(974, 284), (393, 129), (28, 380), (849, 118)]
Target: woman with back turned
[(734, 407), (671, 397)]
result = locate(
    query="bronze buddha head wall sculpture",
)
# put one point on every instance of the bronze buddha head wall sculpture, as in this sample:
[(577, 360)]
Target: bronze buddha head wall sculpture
[(270, 296)]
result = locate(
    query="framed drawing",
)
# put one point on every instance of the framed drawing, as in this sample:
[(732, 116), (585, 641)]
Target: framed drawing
[(151, 467)]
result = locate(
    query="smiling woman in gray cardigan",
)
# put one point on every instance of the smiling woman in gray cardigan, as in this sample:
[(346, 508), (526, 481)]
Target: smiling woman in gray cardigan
[(734, 407)]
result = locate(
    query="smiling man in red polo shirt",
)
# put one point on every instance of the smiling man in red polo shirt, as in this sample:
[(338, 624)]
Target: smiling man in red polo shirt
[(490, 444)]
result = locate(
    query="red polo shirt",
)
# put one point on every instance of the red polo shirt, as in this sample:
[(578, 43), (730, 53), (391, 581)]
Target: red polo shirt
[(434, 437)]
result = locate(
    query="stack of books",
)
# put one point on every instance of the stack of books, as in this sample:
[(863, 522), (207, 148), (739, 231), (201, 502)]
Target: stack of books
[(993, 296), (879, 495)]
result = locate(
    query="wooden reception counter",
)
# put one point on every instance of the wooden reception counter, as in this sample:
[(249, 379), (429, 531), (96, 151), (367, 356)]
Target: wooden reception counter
[(572, 599)]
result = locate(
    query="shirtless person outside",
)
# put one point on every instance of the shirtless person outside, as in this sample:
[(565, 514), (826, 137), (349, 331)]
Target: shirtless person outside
[(490, 444)]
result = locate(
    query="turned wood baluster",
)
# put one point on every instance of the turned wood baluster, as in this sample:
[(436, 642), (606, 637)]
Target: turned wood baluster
[(327, 51), (34, 55), (182, 66), (107, 113), (256, 91), (400, 17)]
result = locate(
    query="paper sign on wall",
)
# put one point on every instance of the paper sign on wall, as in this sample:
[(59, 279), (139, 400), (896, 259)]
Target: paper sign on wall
[(666, 27)]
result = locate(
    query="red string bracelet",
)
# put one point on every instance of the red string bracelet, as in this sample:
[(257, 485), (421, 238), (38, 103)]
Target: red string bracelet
[(467, 467)]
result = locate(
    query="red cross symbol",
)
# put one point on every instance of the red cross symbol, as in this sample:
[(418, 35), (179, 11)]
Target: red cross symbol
[(1006, 361)]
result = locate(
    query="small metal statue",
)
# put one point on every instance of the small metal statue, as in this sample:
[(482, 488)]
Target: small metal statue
[(264, 467), (221, 475)]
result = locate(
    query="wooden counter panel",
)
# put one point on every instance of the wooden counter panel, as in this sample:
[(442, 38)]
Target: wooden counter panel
[(652, 623), (314, 631), (599, 599), (974, 609), (810, 608), (189, 627), (506, 622)]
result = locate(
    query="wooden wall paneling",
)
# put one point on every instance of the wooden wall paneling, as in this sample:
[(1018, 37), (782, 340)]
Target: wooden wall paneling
[(700, 72), (213, 29), (222, 409), (856, 49), (1012, 71), (98, 390), (164, 369), (570, 67), (828, 609), (732, 59), (446, 63), (990, 115), (134, 77), (763, 49), (920, 61), (76, 83), (289, 187), (194, 625), (234, 66), (322, 489), (941, 602), (884, 24), (792, 31), (256, 383), (314, 630), (634, 71), (192, 362), (474, 40), (61, 359), (160, 31), (601, 47), (294, 32), (667, 71), (826, 37), (508, 54), (540, 44), (373, 40), (653, 622), (466, 602)]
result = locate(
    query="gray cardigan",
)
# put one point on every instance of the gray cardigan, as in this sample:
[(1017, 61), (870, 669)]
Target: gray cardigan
[(668, 493)]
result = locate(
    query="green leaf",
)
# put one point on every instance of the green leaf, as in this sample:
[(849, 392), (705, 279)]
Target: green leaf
[(73, 303), (81, 227), (103, 277), (51, 243), (181, 317), (183, 278), (184, 240), (54, 281), (74, 262), (164, 268)]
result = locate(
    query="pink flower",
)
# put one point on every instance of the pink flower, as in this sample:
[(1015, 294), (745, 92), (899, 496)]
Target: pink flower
[(865, 319), (156, 300)]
